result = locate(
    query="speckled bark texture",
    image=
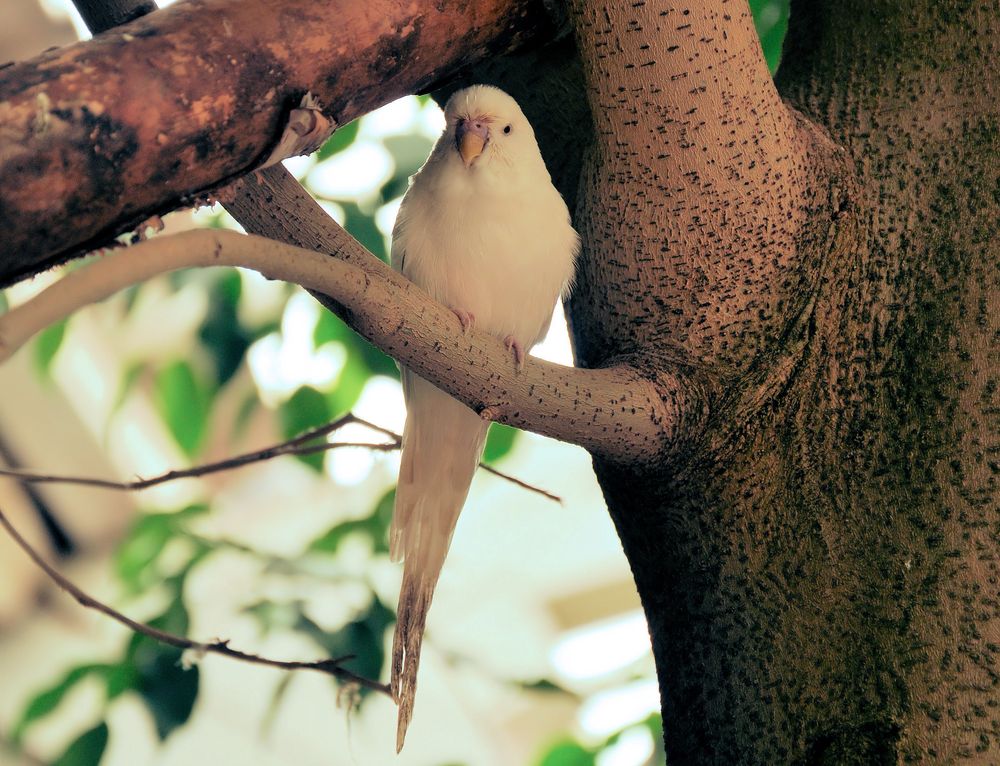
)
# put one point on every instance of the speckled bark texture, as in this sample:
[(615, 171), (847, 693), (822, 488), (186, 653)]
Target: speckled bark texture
[(819, 561), (95, 137)]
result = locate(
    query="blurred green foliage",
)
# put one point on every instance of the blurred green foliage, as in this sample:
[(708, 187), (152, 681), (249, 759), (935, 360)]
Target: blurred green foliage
[(222, 333), (569, 752), (186, 392), (771, 19), (375, 527), (46, 345), (148, 669), (86, 749), (184, 401)]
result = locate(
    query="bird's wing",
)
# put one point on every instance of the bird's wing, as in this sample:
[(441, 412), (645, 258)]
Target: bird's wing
[(397, 252), (397, 259)]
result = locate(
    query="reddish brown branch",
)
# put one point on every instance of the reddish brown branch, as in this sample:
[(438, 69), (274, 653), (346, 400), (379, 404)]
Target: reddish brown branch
[(330, 666), (97, 136)]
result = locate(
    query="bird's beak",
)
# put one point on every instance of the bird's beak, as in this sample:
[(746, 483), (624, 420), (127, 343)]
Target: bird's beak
[(470, 138)]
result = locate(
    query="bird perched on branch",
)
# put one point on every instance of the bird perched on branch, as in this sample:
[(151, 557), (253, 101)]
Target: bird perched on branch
[(484, 231)]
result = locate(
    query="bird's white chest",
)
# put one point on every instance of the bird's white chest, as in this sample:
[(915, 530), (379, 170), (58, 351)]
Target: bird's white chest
[(504, 261)]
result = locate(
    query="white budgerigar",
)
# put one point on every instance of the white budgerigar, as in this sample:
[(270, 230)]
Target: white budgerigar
[(484, 231)]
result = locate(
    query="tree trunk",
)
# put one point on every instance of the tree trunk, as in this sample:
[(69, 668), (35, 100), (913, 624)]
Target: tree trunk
[(818, 559)]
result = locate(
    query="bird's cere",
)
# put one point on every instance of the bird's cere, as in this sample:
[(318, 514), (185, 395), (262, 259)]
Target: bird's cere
[(471, 135)]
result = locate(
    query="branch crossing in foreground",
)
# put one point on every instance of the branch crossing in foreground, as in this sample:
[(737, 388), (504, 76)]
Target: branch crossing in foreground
[(331, 667), (615, 413), (298, 445)]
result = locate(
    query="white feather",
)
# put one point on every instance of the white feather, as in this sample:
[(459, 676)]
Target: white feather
[(493, 239)]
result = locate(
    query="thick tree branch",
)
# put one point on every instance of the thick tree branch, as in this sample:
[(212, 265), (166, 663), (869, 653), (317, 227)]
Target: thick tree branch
[(98, 136), (101, 15), (331, 666), (688, 119), (300, 445), (613, 412)]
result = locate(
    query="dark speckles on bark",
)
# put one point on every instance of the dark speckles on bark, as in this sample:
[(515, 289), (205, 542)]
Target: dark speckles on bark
[(204, 145), (820, 570), (394, 52)]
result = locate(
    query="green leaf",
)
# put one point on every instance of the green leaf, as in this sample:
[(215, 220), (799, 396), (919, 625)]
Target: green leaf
[(87, 749), (342, 138), (46, 346), (145, 541), (271, 616), (771, 20), (499, 442), (655, 725), (383, 510), (330, 541), (394, 187), (378, 362), (350, 383), (307, 408), (4, 303), (168, 690), (361, 226), (119, 679), (363, 638), (409, 152), (130, 296), (184, 404), (544, 686), (329, 328), (48, 700), (567, 753), (376, 526), (221, 332), (135, 556)]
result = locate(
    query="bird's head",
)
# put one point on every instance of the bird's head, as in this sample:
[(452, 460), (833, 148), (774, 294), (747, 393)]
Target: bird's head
[(486, 129)]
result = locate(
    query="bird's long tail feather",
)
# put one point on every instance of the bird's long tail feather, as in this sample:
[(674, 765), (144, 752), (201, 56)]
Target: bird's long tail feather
[(442, 443)]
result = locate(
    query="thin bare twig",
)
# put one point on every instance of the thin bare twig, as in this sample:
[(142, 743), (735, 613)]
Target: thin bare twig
[(298, 445), (520, 483), (330, 666)]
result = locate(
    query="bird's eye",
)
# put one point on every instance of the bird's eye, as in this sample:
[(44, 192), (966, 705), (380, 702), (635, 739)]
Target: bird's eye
[(507, 129)]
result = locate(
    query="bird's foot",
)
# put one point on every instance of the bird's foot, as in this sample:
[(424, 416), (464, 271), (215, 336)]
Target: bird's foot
[(467, 318), (513, 344)]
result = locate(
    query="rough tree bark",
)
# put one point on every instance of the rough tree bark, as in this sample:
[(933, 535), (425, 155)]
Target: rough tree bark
[(106, 133), (819, 563), (817, 551)]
